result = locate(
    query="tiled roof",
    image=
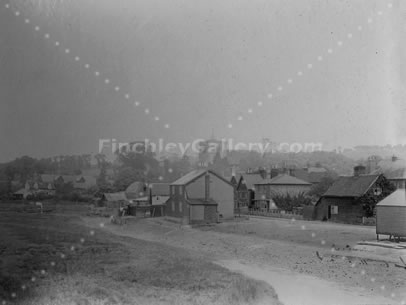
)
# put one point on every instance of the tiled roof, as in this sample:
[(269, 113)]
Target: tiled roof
[(195, 174), (284, 180), (351, 186), (159, 189), (252, 179)]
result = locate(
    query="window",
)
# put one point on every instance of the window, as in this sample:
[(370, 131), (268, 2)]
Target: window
[(173, 206), (377, 191), (334, 209), (180, 207)]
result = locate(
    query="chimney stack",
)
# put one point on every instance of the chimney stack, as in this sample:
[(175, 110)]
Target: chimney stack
[(359, 170)]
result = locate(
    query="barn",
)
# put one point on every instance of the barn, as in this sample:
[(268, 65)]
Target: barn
[(391, 215), (201, 196)]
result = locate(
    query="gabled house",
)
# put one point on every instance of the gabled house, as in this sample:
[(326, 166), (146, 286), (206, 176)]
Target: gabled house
[(351, 198), (201, 196), (394, 170)]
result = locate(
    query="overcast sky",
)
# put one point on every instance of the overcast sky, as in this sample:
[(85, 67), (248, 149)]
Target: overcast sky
[(200, 66)]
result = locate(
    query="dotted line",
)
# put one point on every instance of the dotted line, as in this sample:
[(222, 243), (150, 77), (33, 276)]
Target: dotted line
[(95, 72), (309, 67)]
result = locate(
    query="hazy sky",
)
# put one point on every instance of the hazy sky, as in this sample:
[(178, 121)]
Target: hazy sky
[(199, 65)]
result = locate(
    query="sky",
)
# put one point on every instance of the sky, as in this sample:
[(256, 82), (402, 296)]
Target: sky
[(319, 71)]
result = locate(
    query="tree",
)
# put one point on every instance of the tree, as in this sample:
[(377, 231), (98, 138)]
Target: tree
[(320, 188), (126, 176)]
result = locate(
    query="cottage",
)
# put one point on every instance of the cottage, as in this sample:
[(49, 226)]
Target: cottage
[(394, 170), (391, 215), (136, 189), (281, 185), (200, 196), (114, 200), (351, 198)]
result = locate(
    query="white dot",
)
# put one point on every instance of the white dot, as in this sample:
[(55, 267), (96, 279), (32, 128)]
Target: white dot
[(27, 21), (260, 103), (102, 225), (250, 110), (77, 58), (7, 5), (390, 5), (230, 125), (170, 170), (344, 258), (372, 279), (313, 234), (403, 302), (82, 240), (72, 248), (369, 20), (363, 272), (52, 264), (380, 13), (107, 81), (13, 295), (303, 227), (117, 88), (23, 287), (4, 303), (239, 118), (300, 73), (270, 95), (136, 103), (42, 271), (339, 43), (167, 126), (57, 43), (17, 13), (280, 88), (393, 295), (309, 66), (37, 28), (47, 36), (127, 96), (62, 256), (156, 118), (359, 28), (146, 111), (161, 178), (92, 232), (290, 81), (329, 51), (320, 58), (87, 66), (293, 220), (97, 73), (323, 242), (33, 279), (67, 51), (353, 265), (349, 35)]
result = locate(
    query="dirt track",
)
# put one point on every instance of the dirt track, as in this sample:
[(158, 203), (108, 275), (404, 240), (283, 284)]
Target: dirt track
[(299, 275)]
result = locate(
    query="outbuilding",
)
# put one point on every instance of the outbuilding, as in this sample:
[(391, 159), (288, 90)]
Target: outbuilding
[(391, 215)]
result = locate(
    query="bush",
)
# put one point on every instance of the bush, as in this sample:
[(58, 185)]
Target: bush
[(288, 202)]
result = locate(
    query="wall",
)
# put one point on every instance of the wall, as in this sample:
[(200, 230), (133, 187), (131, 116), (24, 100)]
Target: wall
[(223, 194), (391, 220), (196, 189), (348, 210), (176, 206)]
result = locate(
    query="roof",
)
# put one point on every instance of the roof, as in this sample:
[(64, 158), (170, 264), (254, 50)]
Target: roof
[(397, 198), (196, 174), (159, 199), (119, 196), (351, 186), (311, 177), (159, 189), (252, 179), (284, 180)]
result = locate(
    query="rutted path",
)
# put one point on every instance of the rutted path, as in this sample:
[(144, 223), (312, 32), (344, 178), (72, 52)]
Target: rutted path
[(295, 271)]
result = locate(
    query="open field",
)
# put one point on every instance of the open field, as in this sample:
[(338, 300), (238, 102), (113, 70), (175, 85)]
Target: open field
[(55, 259)]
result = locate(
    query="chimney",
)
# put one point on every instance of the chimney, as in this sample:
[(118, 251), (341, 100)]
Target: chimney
[(359, 170)]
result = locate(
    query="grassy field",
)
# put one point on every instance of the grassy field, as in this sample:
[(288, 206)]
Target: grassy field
[(55, 259)]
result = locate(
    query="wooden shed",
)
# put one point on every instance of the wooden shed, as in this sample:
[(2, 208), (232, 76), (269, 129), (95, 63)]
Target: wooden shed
[(391, 215)]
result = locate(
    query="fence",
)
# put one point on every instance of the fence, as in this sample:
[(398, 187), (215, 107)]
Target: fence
[(276, 213)]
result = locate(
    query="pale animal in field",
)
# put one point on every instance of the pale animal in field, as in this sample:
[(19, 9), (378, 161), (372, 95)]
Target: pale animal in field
[(38, 204)]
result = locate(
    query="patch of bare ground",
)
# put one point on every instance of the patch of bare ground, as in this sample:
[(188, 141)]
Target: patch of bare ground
[(53, 259)]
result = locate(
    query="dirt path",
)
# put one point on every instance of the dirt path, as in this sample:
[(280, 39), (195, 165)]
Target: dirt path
[(296, 272)]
